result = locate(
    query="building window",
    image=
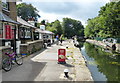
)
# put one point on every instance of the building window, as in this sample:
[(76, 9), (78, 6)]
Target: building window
[(5, 4), (27, 33), (1, 30), (12, 31), (22, 33)]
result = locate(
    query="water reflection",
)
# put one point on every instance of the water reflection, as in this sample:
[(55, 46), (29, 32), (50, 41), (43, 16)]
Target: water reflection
[(103, 64)]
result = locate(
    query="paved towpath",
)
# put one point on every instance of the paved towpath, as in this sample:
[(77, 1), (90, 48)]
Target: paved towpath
[(43, 66)]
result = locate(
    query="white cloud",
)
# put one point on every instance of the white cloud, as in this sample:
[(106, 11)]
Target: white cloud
[(52, 10), (51, 17), (83, 1)]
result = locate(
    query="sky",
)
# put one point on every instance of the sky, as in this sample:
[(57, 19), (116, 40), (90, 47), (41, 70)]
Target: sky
[(52, 10)]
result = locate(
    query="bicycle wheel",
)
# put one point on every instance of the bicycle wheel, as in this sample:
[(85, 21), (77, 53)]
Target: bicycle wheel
[(6, 64), (19, 59)]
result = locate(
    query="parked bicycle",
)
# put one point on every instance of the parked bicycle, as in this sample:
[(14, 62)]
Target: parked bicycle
[(10, 59)]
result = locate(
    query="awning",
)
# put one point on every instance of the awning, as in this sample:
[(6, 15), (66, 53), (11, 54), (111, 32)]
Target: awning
[(5, 18)]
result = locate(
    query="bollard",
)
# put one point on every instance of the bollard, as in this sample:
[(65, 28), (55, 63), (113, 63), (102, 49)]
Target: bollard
[(66, 71)]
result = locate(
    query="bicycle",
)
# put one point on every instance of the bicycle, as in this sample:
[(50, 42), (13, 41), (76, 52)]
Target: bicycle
[(8, 61)]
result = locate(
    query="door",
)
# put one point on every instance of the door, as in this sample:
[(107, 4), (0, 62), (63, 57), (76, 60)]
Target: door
[(18, 47)]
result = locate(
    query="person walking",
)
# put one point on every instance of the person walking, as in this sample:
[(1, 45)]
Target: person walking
[(57, 39), (61, 39)]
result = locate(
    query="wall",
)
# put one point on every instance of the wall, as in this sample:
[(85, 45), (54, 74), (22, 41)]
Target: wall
[(31, 47)]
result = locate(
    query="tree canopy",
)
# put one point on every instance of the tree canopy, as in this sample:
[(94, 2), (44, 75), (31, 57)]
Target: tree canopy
[(107, 23), (26, 11), (69, 27), (55, 27), (72, 27)]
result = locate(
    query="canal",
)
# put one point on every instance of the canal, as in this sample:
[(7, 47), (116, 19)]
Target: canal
[(103, 64)]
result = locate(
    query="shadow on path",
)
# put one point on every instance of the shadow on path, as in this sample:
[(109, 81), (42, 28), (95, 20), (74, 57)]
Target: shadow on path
[(68, 65)]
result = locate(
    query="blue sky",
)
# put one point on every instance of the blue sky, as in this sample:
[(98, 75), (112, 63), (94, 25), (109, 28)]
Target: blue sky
[(77, 9)]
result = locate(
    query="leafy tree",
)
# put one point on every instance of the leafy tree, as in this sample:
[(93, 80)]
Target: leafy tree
[(26, 11), (69, 27), (49, 26), (72, 27), (43, 22), (107, 23), (89, 30), (111, 14), (58, 27)]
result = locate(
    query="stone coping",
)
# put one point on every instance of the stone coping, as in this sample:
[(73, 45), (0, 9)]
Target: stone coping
[(28, 43), (34, 41), (4, 47)]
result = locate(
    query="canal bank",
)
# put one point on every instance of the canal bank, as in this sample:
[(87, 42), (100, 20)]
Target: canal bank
[(82, 72), (103, 45)]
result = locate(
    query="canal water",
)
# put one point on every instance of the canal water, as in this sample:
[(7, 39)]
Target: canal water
[(103, 64)]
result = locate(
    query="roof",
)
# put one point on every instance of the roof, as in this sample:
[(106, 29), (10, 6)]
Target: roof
[(23, 22), (5, 18), (39, 30), (48, 32), (44, 31)]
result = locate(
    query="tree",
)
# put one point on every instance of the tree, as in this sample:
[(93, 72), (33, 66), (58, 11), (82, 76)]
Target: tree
[(58, 27), (111, 13), (69, 27), (72, 27), (26, 11), (107, 23), (89, 30), (43, 22), (49, 26)]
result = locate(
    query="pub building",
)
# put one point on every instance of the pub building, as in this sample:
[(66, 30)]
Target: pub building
[(25, 31), (8, 24)]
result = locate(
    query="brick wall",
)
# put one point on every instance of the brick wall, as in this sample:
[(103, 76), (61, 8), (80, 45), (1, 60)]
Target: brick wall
[(31, 47)]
